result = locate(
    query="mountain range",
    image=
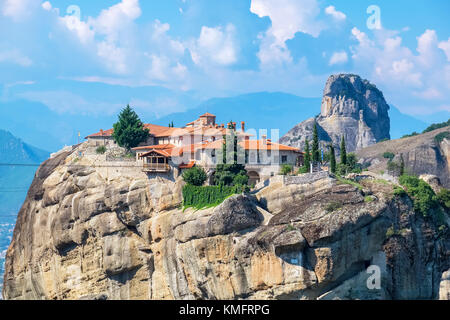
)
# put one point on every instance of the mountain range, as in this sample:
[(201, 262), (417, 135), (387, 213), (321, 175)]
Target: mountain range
[(47, 129)]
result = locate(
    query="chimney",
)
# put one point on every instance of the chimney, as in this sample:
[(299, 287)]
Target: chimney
[(234, 125), (264, 139), (101, 132), (242, 126)]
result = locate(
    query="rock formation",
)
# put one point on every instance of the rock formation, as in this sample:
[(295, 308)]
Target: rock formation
[(422, 155), (92, 229), (351, 107)]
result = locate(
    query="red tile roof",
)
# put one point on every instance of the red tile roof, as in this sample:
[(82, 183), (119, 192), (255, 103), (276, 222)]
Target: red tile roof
[(187, 166), (207, 114), (157, 147), (154, 129)]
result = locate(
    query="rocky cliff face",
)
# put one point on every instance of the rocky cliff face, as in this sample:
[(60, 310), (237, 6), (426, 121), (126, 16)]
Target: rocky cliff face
[(90, 229), (351, 107), (421, 154)]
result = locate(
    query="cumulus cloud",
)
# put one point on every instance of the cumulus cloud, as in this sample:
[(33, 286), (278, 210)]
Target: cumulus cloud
[(338, 58), (288, 17), (16, 57), (331, 10), (17, 9), (47, 5), (404, 74), (215, 45), (445, 46)]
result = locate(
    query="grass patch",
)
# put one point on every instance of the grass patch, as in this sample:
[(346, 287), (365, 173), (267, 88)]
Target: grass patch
[(350, 182), (369, 198), (333, 206)]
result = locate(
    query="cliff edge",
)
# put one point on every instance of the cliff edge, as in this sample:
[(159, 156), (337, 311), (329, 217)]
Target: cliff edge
[(93, 229)]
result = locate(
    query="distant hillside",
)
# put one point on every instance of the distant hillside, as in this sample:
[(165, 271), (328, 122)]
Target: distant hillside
[(422, 154), (15, 179)]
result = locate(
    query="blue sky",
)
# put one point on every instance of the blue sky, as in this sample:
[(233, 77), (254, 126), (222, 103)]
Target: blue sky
[(182, 52)]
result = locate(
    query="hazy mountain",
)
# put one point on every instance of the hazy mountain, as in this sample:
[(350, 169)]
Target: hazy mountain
[(18, 162), (14, 182), (402, 124), (44, 128), (263, 110)]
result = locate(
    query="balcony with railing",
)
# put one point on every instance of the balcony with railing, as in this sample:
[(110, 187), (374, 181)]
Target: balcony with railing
[(156, 167)]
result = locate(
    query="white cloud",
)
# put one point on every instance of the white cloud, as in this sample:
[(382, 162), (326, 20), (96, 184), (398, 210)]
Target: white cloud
[(47, 5), (331, 10), (82, 29), (17, 9), (408, 78), (445, 46), (16, 57), (215, 45), (288, 17), (338, 58), (113, 20)]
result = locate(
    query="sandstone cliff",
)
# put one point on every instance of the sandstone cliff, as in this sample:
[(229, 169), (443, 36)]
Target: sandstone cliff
[(422, 154), (351, 107), (92, 229)]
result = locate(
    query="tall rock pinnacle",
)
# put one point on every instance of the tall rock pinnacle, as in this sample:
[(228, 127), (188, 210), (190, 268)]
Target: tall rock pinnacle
[(351, 107)]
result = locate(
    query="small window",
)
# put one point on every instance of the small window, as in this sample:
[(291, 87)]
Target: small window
[(283, 159)]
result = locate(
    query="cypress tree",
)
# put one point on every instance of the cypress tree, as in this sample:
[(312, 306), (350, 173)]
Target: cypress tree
[(332, 159), (307, 160), (315, 145), (343, 151)]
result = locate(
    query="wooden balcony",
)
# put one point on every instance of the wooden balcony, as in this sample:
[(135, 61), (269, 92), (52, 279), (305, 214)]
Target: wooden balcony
[(156, 167)]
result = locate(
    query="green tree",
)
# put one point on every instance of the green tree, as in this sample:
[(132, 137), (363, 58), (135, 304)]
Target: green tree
[(332, 159), (129, 131), (307, 159), (343, 151), (194, 176), (230, 172), (315, 145), (286, 169)]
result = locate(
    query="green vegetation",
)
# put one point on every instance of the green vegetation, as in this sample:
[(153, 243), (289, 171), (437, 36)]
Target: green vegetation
[(432, 127), (208, 196), (229, 172), (315, 145), (424, 199), (390, 232), (410, 135), (388, 155), (290, 227), (286, 169), (385, 139), (307, 160), (350, 182), (343, 151), (129, 131), (333, 206), (332, 159), (435, 126), (195, 176), (369, 198), (399, 192), (171, 124), (100, 150), (441, 136), (444, 198)]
